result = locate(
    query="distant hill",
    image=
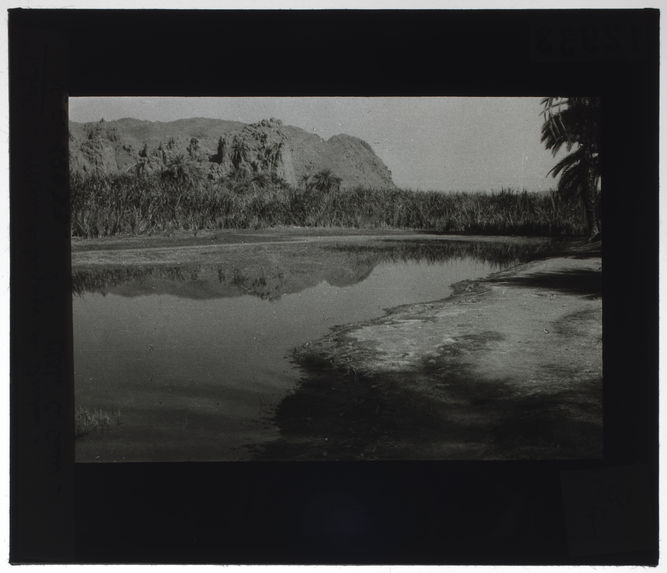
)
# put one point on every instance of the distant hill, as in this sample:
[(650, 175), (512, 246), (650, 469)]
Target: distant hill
[(218, 147)]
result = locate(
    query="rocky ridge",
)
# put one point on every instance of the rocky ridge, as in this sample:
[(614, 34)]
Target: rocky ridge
[(218, 148)]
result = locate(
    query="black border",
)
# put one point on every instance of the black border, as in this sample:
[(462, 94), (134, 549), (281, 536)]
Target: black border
[(601, 512)]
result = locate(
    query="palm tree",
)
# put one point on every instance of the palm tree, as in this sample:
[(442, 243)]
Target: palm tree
[(239, 152), (194, 149), (259, 181), (324, 181), (183, 171), (304, 181), (220, 155), (573, 122), (271, 155)]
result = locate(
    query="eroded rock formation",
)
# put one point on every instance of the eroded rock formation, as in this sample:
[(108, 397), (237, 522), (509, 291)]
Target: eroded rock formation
[(218, 148)]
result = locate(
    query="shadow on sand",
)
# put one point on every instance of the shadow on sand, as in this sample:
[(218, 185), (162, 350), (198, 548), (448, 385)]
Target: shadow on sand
[(583, 282), (439, 413), (441, 410)]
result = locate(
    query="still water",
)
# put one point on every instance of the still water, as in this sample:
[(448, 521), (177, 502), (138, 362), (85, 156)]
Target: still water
[(191, 362)]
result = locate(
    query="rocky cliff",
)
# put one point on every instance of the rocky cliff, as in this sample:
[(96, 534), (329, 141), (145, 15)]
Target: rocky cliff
[(218, 148)]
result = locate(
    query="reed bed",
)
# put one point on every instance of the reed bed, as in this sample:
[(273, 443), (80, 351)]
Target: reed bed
[(128, 204)]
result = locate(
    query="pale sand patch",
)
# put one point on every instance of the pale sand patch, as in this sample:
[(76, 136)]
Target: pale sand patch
[(534, 336)]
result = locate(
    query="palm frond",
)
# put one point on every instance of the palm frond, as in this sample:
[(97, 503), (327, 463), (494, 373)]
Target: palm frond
[(566, 162)]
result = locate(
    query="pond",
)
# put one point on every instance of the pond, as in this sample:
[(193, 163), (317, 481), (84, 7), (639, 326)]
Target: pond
[(189, 362)]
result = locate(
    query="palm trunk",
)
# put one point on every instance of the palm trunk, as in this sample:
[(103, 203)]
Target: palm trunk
[(589, 196)]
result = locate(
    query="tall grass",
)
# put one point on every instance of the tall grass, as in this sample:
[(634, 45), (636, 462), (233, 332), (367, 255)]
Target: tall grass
[(87, 421), (127, 204)]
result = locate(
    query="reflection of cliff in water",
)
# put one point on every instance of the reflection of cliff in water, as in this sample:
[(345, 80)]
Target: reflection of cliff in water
[(209, 281), (270, 274)]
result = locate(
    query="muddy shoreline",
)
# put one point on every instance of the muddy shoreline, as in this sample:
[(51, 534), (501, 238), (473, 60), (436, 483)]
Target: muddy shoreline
[(508, 367)]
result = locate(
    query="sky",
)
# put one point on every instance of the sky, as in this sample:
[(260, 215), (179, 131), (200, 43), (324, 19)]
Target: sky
[(428, 143)]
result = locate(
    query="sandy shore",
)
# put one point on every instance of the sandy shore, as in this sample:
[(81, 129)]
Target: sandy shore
[(509, 367)]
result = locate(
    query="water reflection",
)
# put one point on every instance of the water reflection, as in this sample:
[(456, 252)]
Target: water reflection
[(196, 357), (288, 271)]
